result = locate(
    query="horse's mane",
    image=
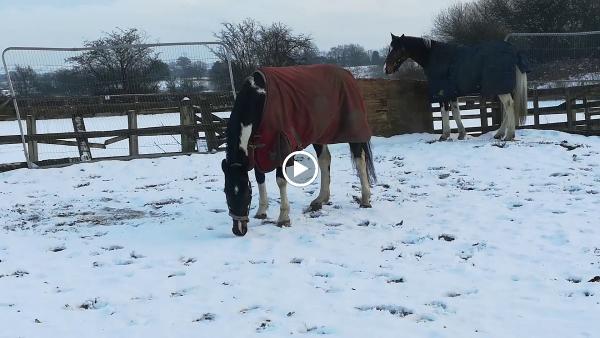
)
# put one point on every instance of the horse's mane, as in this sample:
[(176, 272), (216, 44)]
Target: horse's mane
[(247, 109)]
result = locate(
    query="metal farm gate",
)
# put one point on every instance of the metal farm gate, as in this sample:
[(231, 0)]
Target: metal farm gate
[(125, 101)]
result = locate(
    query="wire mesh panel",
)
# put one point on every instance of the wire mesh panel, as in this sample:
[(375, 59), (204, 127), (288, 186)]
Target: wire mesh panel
[(112, 88), (560, 59)]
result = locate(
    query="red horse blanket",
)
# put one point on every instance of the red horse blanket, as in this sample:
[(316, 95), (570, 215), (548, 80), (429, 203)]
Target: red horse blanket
[(304, 105)]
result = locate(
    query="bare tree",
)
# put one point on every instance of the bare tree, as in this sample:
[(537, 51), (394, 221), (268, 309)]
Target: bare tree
[(253, 44), (349, 55), (481, 20), (25, 81), (116, 68)]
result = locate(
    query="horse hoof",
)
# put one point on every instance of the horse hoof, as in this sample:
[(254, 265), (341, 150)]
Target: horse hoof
[(284, 223), (444, 137), (462, 136), (365, 205), (498, 136), (315, 206), (260, 216)]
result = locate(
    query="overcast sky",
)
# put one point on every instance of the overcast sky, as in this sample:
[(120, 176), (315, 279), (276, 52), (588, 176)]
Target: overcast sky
[(68, 23)]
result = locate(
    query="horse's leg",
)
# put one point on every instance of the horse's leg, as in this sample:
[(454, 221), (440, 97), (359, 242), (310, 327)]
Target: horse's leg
[(456, 115), (358, 156), (324, 157), (509, 116), (284, 209), (502, 130), (445, 121), (263, 203)]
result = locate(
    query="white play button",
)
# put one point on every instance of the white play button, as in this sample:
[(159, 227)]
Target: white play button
[(299, 168), (303, 171)]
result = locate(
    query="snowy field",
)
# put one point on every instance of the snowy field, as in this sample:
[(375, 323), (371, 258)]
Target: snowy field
[(465, 239)]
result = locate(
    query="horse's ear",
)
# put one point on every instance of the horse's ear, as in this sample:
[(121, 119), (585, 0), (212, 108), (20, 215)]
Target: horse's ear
[(402, 36), (393, 36)]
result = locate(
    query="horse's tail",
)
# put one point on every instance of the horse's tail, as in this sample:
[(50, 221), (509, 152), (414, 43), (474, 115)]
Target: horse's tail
[(366, 147), (520, 96)]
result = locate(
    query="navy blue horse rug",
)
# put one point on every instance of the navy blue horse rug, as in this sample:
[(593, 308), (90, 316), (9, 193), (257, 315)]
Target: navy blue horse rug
[(487, 69)]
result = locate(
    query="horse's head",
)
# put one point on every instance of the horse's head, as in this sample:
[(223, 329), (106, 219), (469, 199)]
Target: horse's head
[(238, 193), (397, 55)]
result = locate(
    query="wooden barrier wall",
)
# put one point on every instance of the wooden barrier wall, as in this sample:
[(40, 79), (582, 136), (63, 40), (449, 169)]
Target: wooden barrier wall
[(397, 107)]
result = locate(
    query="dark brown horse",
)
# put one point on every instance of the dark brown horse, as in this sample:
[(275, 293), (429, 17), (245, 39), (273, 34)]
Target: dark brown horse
[(488, 69)]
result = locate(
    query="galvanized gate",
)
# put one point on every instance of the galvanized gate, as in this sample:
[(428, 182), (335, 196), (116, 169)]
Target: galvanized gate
[(82, 103)]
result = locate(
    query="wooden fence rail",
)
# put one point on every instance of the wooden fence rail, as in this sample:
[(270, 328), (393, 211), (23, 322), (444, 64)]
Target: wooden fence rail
[(571, 102)]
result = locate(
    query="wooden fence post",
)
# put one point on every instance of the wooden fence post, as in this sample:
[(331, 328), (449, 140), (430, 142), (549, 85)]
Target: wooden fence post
[(134, 149), (588, 116), (570, 116), (32, 146), (187, 118), (536, 108), (209, 130), (82, 142), (483, 115)]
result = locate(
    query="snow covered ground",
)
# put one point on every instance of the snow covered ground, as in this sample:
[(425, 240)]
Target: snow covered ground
[(465, 239)]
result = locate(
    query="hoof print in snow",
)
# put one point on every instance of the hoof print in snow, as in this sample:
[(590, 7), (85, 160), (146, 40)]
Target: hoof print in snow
[(596, 279), (81, 185), (316, 329), (92, 304), (574, 280), (333, 224), (265, 324), (453, 294), (465, 255), (112, 247), (296, 260), (364, 223), (176, 274), (123, 262), (395, 310), (395, 280), (560, 174), (248, 309), (136, 255), (315, 214), (207, 317), (58, 248), (291, 313), (323, 274), (187, 261), (178, 294), (569, 146), (16, 274), (162, 203), (217, 211), (443, 176), (500, 144), (446, 237), (389, 247)]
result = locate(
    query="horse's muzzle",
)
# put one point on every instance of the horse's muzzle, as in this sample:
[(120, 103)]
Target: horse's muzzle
[(240, 227)]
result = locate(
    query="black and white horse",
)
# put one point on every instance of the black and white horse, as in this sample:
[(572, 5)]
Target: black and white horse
[(245, 118), (489, 69)]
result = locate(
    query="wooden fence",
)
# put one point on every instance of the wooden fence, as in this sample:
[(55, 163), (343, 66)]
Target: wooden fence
[(394, 107), (578, 106), (196, 113)]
